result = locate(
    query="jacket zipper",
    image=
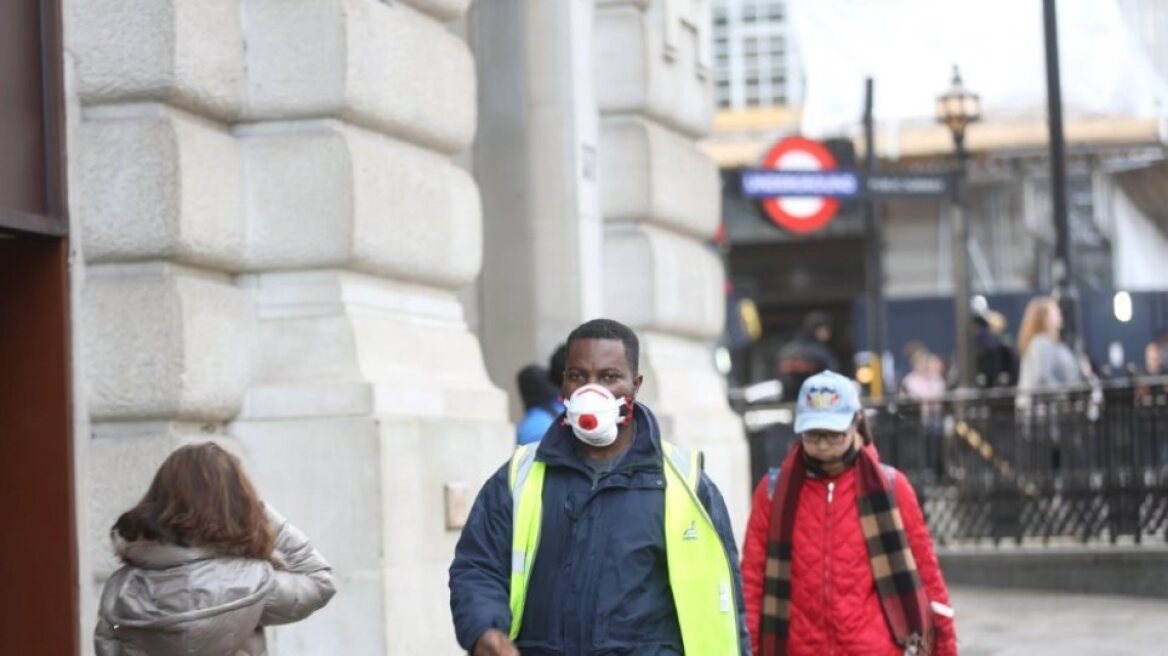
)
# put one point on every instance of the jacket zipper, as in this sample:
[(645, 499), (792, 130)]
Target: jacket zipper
[(827, 569)]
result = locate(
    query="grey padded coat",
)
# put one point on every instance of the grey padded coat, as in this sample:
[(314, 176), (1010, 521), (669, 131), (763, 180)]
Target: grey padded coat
[(187, 601)]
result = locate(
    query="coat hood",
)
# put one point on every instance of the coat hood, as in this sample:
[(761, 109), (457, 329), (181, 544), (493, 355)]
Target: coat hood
[(169, 599)]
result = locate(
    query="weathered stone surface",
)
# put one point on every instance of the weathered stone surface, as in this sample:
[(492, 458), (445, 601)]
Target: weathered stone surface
[(416, 216), (188, 54), (654, 60), (159, 184), (444, 10), (651, 173), (299, 197), (367, 345), (322, 194), (325, 476), (164, 343), (660, 280), (386, 67)]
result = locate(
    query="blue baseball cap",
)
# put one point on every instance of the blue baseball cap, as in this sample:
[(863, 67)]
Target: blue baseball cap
[(827, 401)]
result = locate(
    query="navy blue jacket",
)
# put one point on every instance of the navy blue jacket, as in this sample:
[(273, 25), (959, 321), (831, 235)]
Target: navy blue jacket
[(600, 582)]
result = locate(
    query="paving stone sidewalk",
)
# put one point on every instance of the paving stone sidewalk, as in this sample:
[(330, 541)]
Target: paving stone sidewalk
[(999, 622)]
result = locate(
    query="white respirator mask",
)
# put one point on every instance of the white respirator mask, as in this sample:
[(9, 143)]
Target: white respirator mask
[(595, 415)]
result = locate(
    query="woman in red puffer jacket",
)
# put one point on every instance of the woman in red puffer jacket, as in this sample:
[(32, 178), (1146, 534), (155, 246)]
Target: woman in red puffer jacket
[(822, 597)]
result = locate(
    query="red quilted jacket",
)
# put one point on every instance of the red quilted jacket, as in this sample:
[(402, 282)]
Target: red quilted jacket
[(834, 605)]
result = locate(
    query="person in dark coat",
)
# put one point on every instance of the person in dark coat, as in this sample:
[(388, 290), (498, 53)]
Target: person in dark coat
[(997, 365), (807, 355), (601, 583)]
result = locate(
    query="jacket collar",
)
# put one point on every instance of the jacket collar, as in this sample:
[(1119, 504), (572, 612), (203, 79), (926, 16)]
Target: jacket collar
[(559, 445), (157, 555)]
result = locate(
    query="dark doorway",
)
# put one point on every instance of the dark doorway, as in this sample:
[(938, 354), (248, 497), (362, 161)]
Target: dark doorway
[(38, 555), (788, 280)]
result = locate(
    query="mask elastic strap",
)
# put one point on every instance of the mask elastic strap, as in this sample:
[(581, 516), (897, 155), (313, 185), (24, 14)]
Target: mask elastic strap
[(626, 410)]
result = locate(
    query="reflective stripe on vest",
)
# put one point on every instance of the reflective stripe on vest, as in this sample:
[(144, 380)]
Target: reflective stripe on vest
[(699, 570), (526, 482)]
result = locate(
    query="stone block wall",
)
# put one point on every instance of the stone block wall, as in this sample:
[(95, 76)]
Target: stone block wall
[(661, 204), (272, 237)]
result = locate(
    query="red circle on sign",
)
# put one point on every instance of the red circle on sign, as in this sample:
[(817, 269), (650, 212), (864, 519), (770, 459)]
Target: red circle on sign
[(800, 223)]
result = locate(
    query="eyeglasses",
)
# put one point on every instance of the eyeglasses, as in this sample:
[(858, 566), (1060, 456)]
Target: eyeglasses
[(824, 438)]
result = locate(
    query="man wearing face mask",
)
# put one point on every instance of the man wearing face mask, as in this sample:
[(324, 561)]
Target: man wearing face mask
[(602, 538), (838, 559)]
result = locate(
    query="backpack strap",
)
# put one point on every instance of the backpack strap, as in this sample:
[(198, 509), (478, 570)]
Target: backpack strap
[(772, 482)]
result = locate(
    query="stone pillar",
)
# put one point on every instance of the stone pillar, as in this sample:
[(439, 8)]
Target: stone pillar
[(535, 159), (156, 183), (661, 203), (274, 237)]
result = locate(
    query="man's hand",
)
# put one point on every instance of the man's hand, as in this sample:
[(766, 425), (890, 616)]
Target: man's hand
[(494, 642)]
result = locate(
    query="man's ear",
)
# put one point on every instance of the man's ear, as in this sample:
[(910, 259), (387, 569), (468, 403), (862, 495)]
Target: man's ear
[(637, 383)]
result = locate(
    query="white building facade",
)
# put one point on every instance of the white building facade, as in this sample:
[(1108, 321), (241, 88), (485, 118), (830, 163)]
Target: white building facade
[(329, 232)]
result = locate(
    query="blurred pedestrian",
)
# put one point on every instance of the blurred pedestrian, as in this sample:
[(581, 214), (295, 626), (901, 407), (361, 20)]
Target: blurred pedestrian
[(837, 557), (926, 381), (926, 385), (997, 365), (603, 537), (1046, 360), (206, 565), (1154, 359), (808, 354), (541, 404)]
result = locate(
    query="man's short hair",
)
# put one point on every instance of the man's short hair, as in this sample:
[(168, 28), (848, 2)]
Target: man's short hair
[(609, 329)]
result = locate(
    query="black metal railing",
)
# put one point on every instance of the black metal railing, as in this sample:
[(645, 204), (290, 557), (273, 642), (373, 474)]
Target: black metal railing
[(1087, 463)]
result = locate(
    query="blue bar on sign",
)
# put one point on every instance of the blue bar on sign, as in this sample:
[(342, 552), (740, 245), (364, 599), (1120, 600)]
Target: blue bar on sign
[(767, 183)]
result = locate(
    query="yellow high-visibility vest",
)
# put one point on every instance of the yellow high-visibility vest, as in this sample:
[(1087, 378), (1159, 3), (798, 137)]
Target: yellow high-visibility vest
[(699, 569)]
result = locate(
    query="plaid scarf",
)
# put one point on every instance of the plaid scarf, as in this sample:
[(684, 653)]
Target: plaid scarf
[(902, 596)]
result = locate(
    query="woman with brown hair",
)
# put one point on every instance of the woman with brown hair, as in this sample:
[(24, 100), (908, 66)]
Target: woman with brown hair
[(206, 565), (1046, 360)]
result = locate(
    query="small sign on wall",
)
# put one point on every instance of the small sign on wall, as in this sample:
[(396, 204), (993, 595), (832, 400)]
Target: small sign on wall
[(457, 505)]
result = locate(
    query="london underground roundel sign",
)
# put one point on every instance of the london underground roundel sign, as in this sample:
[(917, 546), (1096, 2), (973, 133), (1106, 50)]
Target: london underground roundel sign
[(800, 214)]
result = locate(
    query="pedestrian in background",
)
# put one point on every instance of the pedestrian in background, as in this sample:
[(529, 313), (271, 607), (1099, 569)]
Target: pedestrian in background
[(926, 385), (997, 364), (603, 538), (808, 354), (206, 565), (1154, 359), (1046, 360), (837, 557), (541, 404)]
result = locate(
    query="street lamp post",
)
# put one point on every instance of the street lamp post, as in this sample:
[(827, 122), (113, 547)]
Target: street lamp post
[(956, 109)]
